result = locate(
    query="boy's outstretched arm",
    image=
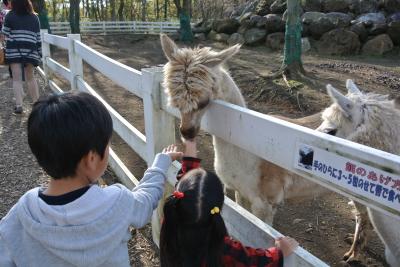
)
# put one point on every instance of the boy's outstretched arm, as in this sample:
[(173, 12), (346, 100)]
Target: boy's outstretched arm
[(150, 189)]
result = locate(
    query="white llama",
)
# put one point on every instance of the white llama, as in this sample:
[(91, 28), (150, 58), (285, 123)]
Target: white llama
[(370, 120)]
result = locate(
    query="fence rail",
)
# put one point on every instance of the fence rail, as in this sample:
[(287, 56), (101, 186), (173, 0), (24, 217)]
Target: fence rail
[(149, 27), (267, 137)]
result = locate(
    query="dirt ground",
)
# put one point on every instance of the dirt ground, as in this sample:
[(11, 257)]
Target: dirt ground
[(320, 225)]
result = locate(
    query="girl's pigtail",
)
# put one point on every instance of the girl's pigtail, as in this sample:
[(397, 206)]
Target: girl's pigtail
[(169, 235), (216, 240)]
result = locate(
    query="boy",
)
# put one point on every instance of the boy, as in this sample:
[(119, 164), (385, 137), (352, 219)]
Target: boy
[(74, 222)]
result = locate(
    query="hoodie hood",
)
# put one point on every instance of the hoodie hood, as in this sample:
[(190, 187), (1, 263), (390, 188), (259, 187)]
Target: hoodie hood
[(103, 226)]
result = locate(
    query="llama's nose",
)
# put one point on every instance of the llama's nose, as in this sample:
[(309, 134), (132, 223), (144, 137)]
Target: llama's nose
[(189, 133)]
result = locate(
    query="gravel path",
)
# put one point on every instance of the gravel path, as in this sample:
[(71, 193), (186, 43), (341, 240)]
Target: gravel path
[(19, 171)]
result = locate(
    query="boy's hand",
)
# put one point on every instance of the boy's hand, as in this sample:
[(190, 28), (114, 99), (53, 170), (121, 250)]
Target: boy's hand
[(286, 244), (190, 148), (172, 151)]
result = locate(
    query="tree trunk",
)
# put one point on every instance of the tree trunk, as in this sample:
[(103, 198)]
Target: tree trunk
[(74, 16), (121, 10), (157, 10), (113, 14), (87, 9), (166, 4), (64, 13), (106, 11), (292, 51), (189, 7), (101, 9), (134, 12), (144, 5), (94, 12), (185, 30), (55, 10)]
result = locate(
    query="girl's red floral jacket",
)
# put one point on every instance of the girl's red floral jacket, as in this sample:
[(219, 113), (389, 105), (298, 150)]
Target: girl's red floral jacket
[(235, 254)]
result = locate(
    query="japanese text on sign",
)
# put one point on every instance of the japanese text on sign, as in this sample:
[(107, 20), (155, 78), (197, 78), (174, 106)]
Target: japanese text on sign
[(368, 181)]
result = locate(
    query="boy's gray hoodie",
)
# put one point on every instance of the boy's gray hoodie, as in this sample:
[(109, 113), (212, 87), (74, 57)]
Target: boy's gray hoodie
[(93, 230)]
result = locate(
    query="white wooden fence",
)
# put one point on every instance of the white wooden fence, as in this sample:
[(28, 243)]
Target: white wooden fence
[(103, 27), (270, 138)]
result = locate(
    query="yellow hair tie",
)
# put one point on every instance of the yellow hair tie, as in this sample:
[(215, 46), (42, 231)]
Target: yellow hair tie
[(215, 210)]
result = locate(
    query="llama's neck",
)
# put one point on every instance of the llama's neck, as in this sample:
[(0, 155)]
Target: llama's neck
[(228, 155), (228, 90)]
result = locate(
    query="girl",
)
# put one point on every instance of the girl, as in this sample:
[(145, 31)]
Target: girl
[(22, 32), (193, 233)]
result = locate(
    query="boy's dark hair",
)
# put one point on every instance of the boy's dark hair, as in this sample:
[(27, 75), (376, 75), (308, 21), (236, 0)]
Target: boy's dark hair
[(22, 7), (5, 2), (62, 129), (190, 235)]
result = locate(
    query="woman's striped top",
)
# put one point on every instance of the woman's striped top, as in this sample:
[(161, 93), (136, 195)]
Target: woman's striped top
[(23, 43)]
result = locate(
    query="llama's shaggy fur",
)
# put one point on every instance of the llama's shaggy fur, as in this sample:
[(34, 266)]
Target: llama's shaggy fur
[(371, 120)]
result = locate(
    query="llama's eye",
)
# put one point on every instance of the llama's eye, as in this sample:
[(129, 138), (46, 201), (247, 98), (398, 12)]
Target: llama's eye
[(203, 104), (331, 132)]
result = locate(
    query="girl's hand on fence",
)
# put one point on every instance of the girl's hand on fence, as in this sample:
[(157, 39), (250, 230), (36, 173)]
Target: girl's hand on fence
[(172, 151), (190, 148), (286, 244)]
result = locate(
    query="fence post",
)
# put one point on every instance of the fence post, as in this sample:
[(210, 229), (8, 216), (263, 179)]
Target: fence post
[(75, 61), (159, 125), (45, 54), (104, 27), (159, 128)]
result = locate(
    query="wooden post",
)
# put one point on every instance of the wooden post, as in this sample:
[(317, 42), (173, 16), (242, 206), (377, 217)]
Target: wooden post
[(160, 130), (45, 54), (75, 61)]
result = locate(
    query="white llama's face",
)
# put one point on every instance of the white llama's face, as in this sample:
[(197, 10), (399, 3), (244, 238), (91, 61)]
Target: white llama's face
[(191, 79), (346, 114)]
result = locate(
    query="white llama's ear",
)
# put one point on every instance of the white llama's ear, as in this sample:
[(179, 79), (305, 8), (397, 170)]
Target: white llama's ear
[(169, 47), (352, 87), (222, 56), (345, 104)]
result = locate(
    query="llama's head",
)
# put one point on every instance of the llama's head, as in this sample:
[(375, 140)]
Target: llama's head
[(350, 113), (191, 80)]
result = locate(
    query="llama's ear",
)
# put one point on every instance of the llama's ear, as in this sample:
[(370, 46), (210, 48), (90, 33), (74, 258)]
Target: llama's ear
[(352, 87), (169, 47), (345, 104), (222, 56)]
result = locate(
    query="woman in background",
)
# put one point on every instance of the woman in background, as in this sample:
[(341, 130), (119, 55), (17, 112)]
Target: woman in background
[(23, 49)]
